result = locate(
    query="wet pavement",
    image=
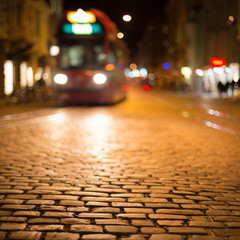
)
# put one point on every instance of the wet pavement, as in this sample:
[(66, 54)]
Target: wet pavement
[(157, 166)]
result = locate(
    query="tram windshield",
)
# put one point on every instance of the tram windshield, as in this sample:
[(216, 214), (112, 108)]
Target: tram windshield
[(82, 54)]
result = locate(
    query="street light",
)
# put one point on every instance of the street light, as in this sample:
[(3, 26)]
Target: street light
[(127, 18), (120, 35)]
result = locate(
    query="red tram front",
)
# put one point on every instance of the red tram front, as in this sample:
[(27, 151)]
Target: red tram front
[(91, 60)]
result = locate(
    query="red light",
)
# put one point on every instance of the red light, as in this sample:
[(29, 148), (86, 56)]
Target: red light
[(146, 88), (125, 88), (217, 62)]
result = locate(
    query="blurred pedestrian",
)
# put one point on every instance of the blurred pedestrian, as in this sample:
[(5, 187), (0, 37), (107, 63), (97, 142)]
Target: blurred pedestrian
[(220, 87), (227, 87)]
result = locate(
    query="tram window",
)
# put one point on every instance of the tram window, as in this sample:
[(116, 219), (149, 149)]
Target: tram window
[(101, 56), (82, 56), (76, 54)]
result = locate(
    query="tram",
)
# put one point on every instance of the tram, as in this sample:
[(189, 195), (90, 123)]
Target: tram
[(91, 60)]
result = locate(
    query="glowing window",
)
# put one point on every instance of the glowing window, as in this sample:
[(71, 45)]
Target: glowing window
[(8, 81)]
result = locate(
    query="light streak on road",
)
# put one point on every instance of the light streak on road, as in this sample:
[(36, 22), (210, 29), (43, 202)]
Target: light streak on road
[(221, 114), (16, 120), (209, 123)]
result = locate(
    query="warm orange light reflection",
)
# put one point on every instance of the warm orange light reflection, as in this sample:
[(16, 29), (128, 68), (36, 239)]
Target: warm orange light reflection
[(231, 18), (110, 67), (133, 66), (125, 88), (120, 35)]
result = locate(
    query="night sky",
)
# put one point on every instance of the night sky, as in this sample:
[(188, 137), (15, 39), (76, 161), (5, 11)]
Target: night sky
[(142, 11)]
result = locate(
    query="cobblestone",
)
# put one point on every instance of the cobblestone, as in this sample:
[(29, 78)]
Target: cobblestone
[(95, 215), (43, 220), (12, 226), (134, 237), (167, 216), (25, 235), (121, 229), (72, 203), (134, 171), (206, 224), (86, 228), (27, 213), (175, 223), (145, 222), (111, 221), (99, 237), (180, 212), (187, 230), (205, 238), (138, 210), (62, 236), (75, 221), (48, 227), (58, 214), (13, 219), (165, 237)]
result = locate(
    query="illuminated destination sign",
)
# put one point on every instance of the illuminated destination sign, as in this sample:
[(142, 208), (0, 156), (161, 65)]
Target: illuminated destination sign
[(81, 23), (82, 29), (81, 16), (217, 62)]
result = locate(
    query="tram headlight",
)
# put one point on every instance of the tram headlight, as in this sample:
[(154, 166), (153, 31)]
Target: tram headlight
[(60, 79), (99, 78)]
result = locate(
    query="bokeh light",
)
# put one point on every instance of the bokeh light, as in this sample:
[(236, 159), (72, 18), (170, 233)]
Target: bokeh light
[(120, 35), (146, 88), (166, 66), (127, 18)]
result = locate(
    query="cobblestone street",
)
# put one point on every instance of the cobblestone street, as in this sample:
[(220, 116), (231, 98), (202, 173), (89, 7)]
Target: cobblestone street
[(157, 166)]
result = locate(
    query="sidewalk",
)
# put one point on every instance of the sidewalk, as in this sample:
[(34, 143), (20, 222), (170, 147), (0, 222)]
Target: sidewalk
[(13, 108)]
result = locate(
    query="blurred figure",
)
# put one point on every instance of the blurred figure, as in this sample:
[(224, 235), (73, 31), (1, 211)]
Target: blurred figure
[(227, 88), (233, 83), (235, 90), (221, 88)]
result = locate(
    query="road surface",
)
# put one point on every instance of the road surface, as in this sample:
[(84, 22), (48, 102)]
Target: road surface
[(157, 166)]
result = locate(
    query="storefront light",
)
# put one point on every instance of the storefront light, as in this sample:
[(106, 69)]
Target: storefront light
[(218, 70), (8, 81), (234, 70), (54, 50), (30, 76), (227, 70), (126, 72), (217, 62), (199, 72), (186, 72), (143, 72), (136, 73), (210, 71), (23, 74)]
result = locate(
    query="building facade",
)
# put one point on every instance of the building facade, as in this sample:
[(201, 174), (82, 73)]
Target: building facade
[(201, 31), (26, 34)]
